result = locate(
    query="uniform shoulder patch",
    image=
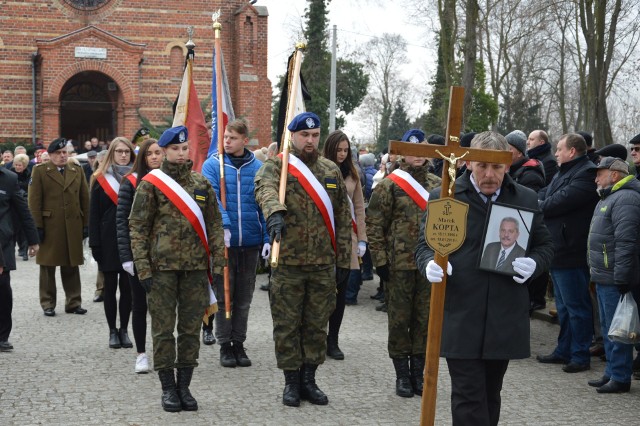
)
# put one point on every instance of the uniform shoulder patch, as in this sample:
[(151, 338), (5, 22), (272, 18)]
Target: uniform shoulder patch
[(330, 183)]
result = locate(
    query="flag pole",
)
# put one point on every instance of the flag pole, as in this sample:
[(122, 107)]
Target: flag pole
[(220, 129), (291, 107)]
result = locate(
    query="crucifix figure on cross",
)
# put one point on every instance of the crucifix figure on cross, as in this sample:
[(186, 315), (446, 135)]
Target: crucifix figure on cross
[(478, 320)]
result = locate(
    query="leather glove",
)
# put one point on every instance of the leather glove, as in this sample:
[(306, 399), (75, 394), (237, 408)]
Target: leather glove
[(266, 251), (85, 232), (435, 272), (128, 267), (96, 252), (362, 248), (218, 281), (624, 289), (275, 226), (227, 238), (342, 275), (383, 272), (41, 234), (525, 266), (146, 284)]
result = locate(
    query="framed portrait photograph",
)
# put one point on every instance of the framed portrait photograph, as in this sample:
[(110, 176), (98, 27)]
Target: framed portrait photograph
[(506, 237)]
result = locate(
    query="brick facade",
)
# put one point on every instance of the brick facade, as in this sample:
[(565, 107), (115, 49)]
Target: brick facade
[(138, 75)]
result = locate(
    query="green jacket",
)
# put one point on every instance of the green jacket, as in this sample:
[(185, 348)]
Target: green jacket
[(393, 220), (162, 239), (306, 240)]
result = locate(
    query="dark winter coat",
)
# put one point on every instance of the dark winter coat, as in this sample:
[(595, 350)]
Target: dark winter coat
[(529, 173), (369, 173), (548, 160), (567, 204), (614, 235), (486, 315), (102, 230), (14, 214), (125, 200)]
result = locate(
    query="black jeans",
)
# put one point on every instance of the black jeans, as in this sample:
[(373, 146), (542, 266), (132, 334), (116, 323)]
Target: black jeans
[(6, 306), (475, 390), (138, 313)]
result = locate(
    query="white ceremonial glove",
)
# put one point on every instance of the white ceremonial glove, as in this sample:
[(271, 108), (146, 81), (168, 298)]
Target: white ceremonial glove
[(524, 266), (362, 248), (266, 251), (128, 266), (227, 238), (435, 273)]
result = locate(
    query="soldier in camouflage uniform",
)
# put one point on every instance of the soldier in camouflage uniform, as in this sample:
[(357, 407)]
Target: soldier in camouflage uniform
[(393, 221), (172, 266), (303, 286)]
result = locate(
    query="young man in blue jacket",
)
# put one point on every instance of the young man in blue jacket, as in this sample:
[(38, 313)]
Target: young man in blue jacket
[(245, 236)]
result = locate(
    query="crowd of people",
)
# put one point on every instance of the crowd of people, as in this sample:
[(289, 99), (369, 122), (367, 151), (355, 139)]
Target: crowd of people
[(169, 242)]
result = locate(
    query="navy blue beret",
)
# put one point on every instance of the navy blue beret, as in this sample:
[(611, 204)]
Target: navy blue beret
[(57, 144), (178, 134), (413, 135), (304, 121)]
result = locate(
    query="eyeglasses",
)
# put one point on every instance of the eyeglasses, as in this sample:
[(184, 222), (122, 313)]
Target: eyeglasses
[(635, 148), (123, 151)]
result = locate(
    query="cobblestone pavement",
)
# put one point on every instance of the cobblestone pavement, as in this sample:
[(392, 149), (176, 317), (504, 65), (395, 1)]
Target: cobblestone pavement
[(62, 372)]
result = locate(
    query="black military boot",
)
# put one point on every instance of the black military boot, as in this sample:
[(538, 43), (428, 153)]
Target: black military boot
[(308, 388), (291, 394), (187, 400), (333, 350), (242, 360), (403, 377), (417, 373), (170, 399), (114, 339), (227, 357)]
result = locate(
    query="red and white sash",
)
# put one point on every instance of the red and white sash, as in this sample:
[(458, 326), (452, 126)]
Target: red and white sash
[(110, 185), (409, 185), (184, 203), (354, 224), (316, 191), (133, 178)]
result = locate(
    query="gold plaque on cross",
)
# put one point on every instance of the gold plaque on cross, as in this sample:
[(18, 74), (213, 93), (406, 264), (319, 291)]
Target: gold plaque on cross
[(446, 226)]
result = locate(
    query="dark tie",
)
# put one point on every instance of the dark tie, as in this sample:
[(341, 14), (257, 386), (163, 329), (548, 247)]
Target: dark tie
[(61, 170), (501, 260)]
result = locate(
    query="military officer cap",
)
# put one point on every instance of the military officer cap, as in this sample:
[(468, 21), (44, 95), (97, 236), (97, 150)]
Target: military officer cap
[(141, 133), (413, 135), (613, 164), (174, 135), (57, 144), (613, 150), (304, 121)]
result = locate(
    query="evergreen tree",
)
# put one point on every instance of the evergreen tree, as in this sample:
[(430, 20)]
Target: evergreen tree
[(400, 122)]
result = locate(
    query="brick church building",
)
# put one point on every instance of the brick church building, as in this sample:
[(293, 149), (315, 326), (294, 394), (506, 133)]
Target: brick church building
[(83, 68)]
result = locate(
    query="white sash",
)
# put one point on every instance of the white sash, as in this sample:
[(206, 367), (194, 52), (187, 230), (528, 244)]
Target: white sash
[(419, 195)]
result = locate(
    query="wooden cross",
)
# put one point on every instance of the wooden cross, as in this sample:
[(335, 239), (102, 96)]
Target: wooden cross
[(450, 153)]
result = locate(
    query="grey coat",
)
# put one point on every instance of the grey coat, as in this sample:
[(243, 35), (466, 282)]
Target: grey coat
[(486, 315), (614, 235)]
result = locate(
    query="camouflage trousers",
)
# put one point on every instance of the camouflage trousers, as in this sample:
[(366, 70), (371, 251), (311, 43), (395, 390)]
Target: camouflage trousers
[(407, 295), (187, 291), (302, 299)]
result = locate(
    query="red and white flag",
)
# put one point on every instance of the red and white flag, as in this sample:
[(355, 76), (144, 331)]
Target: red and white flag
[(189, 114)]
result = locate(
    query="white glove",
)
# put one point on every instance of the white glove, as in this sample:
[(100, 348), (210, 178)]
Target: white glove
[(266, 251), (227, 238), (128, 266), (524, 266), (435, 273), (362, 248)]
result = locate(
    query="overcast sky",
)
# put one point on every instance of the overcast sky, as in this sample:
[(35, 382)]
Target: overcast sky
[(357, 22)]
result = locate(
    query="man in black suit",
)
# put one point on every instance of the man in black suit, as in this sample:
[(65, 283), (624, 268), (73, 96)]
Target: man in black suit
[(500, 255)]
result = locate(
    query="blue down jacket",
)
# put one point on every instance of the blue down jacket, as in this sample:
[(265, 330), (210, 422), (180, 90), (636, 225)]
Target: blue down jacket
[(242, 216)]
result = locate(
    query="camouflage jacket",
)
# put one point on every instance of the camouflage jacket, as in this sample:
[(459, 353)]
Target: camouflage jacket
[(162, 239), (306, 240), (393, 220)]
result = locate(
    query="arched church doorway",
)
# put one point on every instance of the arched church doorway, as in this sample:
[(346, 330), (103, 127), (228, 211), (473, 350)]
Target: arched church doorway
[(88, 107)]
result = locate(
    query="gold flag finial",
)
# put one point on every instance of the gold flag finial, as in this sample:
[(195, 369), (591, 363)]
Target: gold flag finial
[(214, 17)]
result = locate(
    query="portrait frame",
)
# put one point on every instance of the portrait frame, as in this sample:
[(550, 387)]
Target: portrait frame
[(519, 238)]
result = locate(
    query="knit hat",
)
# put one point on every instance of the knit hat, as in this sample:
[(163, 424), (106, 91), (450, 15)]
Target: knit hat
[(518, 140)]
